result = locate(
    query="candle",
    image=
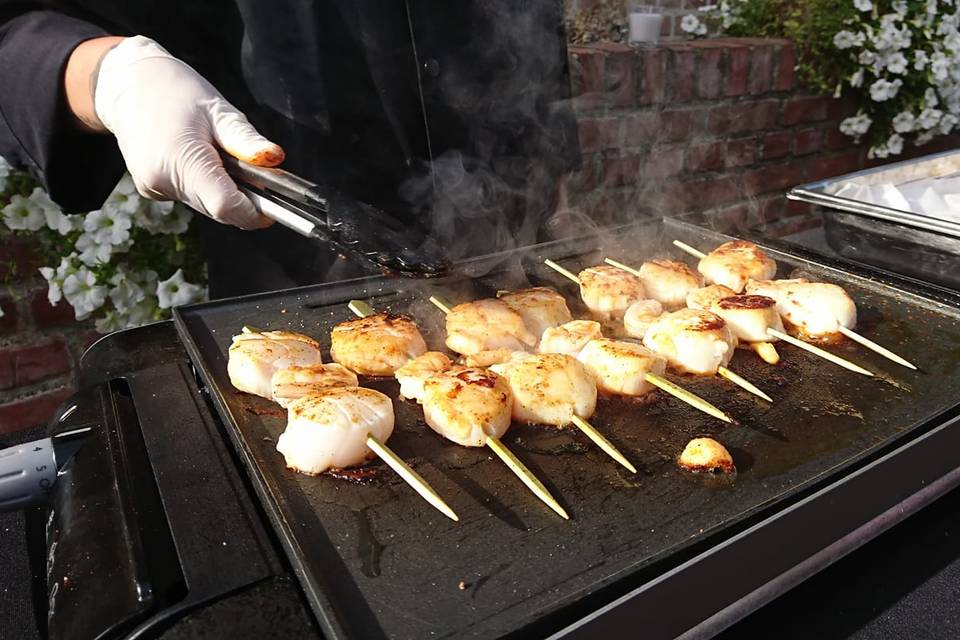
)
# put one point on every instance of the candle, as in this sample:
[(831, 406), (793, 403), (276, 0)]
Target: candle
[(644, 28)]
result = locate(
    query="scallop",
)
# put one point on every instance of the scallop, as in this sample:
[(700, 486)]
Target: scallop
[(549, 388), (254, 357), (733, 263), (376, 345), (619, 367), (467, 405), (693, 341)]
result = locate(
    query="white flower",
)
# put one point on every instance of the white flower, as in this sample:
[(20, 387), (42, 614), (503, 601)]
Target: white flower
[(124, 196), (108, 226), (91, 251), (904, 122), (947, 123), (55, 277), (895, 144), (929, 118), (920, 60), (844, 40), (175, 291), (940, 66), (856, 80), (110, 321), (83, 293), (900, 6), (689, 23), (52, 214), (22, 214), (863, 5), (701, 30), (883, 90), (930, 97), (856, 126), (897, 63), (143, 312), (867, 57), (163, 217), (125, 292)]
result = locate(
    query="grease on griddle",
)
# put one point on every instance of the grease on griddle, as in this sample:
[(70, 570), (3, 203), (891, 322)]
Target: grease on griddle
[(358, 475), (369, 548)]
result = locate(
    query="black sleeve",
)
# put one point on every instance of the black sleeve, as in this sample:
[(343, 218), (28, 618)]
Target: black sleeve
[(37, 131)]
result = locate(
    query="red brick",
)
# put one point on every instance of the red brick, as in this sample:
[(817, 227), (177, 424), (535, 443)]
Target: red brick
[(683, 73), (805, 109), (652, 86), (18, 258), (45, 315), (835, 140), (808, 141), (619, 83), (641, 128), (786, 63), (710, 73), (773, 208), (664, 162), (31, 412), (738, 67), (620, 171), (600, 133), (776, 145), (680, 124), (586, 78), (713, 192), (772, 178), (8, 323), (25, 364), (742, 116), (586, 178), (761, 70), (705, 157), (836, 165), (741, 152)]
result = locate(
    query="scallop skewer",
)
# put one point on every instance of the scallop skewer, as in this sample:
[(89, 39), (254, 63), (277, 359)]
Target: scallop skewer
[(723, 371), (850, 333), (763, 348), (340, 411), (578, 421), (362, 309), (660, 382)]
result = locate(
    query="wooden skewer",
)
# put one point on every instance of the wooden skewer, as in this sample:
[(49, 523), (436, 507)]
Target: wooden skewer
[(766, 351), (620, 265), (671, 388), (850, 333), (694, 252), (579, 422), (411, 477), (602, 442), (873, 346), (395, 462), (743, 383), (250, 329), (817, 351), (521, 471)]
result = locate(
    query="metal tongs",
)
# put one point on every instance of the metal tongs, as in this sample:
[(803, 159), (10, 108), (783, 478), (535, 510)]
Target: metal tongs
[(355, 228)]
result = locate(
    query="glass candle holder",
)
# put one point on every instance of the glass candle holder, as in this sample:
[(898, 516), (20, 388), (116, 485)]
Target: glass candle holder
[(643, 25)]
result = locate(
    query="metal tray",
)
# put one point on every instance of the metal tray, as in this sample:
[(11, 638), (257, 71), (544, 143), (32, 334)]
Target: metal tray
[(939, 164), (376, 561)]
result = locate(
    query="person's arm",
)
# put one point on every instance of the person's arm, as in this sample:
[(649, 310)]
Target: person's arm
[(38, 133), (79, 80)]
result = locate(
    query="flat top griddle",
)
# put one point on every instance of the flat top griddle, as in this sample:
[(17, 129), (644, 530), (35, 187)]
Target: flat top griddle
[(376, 561)]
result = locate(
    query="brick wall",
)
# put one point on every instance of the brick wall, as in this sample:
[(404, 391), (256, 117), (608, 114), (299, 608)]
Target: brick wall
[(40, 345), (672, 10), (716, 126)]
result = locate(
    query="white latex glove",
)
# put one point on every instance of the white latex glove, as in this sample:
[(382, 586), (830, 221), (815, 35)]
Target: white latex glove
[(168, 121)]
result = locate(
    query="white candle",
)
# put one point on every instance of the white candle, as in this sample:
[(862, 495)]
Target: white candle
[(644, 28)]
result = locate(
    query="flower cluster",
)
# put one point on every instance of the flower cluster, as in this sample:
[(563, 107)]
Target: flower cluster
[(899, 60), (124, 265)]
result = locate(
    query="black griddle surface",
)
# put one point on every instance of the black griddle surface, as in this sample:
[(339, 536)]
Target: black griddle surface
[(377, 561)]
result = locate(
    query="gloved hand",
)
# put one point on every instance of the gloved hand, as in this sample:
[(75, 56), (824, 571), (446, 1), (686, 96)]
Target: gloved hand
[(168, 121)]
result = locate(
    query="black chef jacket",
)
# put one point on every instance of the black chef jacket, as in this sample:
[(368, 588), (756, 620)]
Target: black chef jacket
[(454, 115)]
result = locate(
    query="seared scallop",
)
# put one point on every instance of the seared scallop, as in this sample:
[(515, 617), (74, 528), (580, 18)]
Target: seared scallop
[(668, 282), (705, 297), (733, 263), (814, 309), (254, 357), (328, 429), (466, 405), (548, 388), (620, 367), (295, 382), (376, 345), (693, 341), (412, 375), (569, 338), (749, 316), (639, 317), (706, 454), (608, 291), (540, 307), (487, 325)]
